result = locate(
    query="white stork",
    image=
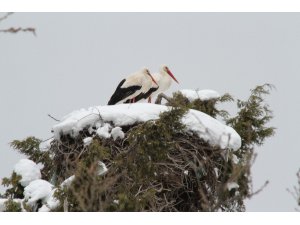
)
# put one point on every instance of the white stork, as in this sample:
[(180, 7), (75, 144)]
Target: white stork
[(132, 86), (163, 79), (145, 95)]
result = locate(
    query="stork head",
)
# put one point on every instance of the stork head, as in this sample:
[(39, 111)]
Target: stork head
[(166, 70), (147, 72)]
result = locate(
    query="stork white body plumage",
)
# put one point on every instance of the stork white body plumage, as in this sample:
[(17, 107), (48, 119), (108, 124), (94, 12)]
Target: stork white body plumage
[(132, 86)]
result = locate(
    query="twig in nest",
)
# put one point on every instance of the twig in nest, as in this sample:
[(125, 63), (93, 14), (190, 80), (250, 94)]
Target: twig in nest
[(47, 139), (16, 30), (100, 117), (53, 118), (160, 97)]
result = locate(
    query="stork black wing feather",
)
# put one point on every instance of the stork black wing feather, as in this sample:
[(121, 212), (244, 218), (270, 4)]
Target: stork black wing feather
[(122, 93), (149, 92), (143, 95)]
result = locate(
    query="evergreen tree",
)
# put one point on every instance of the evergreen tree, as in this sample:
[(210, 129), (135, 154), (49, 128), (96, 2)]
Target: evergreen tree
[(158, 166)]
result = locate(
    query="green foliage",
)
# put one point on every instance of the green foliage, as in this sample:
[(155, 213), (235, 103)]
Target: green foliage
[(252, 117), (12, 206), (83, 194), (66, 160), (149, 145), (96, 152), (15, 189), (208, 106), (158, 166), (152, 141), (30, 148), (64, 194), (251, 123)]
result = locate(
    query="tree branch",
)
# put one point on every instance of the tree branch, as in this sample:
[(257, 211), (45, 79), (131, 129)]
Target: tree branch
[(5, 16), (14, 30), (57, 120), (259, 190), (160, 97), (19, 29)]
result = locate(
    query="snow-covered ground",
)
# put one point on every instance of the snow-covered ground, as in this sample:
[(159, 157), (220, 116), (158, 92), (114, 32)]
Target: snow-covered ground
[(208, 128)]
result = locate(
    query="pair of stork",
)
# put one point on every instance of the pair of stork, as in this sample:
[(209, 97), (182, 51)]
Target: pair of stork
[(142, 85)]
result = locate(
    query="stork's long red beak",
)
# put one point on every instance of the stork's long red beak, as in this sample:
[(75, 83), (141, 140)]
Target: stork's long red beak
[(153, 80), (171, 75)]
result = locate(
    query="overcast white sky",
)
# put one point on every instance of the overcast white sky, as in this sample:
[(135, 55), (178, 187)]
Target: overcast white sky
[(77, 59)]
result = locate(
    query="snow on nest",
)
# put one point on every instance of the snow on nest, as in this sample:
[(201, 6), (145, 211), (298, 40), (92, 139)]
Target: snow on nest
[(119, 115), (232, 185), (104, 131), (117, 133), (87, 141), (29, 171), (102, 168), (38, 190), (45, 145), (205, 126), (212, 130), (203, 95), (67, 182), (41, 190)]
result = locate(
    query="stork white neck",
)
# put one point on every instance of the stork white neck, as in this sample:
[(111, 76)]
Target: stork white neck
[(164, 81)]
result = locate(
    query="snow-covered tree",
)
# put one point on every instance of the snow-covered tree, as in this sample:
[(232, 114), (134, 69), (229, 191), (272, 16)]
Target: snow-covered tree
[(188, 154)]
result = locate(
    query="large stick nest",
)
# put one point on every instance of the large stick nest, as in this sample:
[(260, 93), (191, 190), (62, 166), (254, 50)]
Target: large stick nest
[(158, 166)]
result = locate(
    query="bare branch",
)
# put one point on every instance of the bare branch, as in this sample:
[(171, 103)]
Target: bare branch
[(259, 190), (5, 16), (14, 30), (19, 29), (160, 97)]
